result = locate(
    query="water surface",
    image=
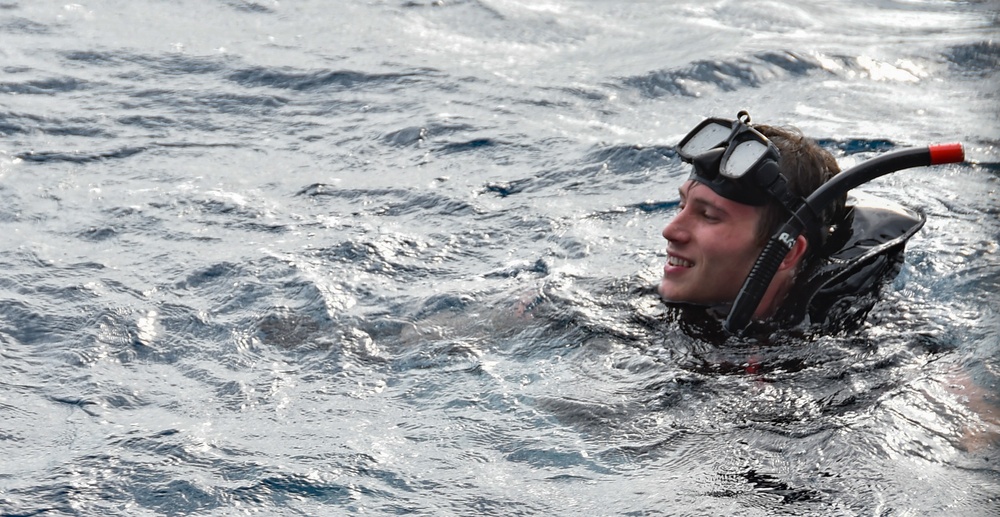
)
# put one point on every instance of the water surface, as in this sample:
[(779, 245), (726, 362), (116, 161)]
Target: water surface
[(394, 257)]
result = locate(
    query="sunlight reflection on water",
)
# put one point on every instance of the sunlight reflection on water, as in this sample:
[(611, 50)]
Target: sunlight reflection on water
[(395, 258)]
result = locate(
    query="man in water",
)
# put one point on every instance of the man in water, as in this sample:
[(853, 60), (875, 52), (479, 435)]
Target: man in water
[(729, 209), (724, 222)]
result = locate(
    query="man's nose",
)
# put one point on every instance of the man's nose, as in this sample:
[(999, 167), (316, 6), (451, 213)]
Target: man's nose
[(675, 231)]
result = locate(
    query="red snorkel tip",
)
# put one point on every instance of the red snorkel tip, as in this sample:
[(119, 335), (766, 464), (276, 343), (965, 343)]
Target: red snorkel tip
[(946, 153)]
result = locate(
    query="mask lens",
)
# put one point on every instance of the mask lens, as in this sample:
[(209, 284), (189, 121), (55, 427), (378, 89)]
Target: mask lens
[(742, 158), (709, 137)]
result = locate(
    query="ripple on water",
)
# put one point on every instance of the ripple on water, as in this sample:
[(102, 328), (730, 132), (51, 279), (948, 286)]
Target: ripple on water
[(275, 268), (754, 72)]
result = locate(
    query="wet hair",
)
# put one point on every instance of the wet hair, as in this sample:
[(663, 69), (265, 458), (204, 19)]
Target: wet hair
[(805, 166)]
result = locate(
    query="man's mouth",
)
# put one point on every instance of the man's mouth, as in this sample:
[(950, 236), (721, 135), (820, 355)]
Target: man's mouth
[(677, 261)]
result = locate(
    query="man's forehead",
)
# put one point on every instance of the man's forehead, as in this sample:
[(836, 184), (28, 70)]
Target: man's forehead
[(696, 192)]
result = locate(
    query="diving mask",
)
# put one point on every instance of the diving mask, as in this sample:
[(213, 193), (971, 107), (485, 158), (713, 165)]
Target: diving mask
[(737, 162)]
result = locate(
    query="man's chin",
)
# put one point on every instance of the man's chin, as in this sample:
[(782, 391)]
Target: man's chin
[(669, 292)]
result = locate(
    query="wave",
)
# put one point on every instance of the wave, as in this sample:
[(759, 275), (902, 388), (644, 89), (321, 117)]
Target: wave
[(398, 201), (628, 162), (97, 156), (11, 123), (44, 86), (78, 156), (321, 79), (731, 75), (248, 6), (22, 26), (858, 145), (169, 64), (979, 59), (631, 158)]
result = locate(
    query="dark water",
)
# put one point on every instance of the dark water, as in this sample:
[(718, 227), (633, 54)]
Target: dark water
[(392, 257)]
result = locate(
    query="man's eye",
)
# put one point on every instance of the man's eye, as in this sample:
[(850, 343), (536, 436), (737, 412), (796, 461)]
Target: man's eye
[(711, 216)]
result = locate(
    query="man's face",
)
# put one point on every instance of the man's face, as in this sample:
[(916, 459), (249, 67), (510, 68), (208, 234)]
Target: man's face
[(711, 247)]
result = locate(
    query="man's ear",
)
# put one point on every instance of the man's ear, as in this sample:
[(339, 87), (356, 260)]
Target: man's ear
[(795, 255)]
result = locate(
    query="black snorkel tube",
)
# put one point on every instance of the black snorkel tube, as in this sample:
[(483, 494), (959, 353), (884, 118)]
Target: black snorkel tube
[(807, 219)]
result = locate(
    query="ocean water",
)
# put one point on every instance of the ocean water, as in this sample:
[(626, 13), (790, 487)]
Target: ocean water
[(394, 257)]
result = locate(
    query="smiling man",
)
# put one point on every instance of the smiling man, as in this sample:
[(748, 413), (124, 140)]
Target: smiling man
[(746, 181)]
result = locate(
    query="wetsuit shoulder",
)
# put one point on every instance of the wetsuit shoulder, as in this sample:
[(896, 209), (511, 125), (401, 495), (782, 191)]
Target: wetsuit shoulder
[(865, 250)]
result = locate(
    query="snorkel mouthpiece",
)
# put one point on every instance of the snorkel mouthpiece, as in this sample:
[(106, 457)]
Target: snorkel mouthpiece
[(807, 220)]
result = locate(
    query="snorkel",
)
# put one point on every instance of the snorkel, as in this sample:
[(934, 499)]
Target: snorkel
[(806, 219)]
